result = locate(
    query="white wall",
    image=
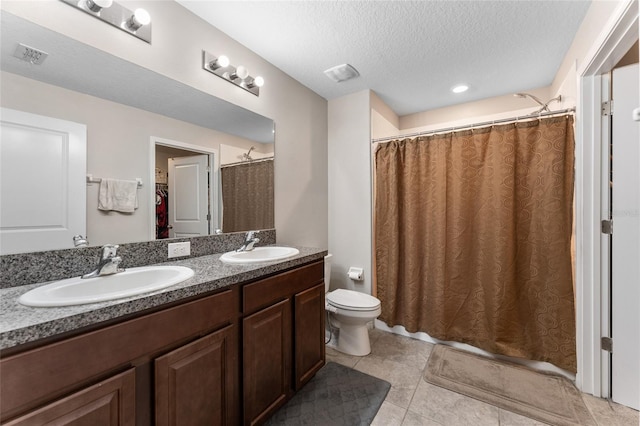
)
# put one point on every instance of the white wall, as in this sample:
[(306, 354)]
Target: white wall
[(349, 146), (178, 39)]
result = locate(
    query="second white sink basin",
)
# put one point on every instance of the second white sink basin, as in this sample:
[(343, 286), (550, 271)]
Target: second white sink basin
[(131, 282), (259, 255)]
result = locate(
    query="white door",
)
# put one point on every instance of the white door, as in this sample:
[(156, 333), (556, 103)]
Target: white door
[(43, 163), (625, 249), (188, 196)]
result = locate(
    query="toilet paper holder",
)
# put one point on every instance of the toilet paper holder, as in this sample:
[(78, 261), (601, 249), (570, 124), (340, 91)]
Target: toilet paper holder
[(356, 274)]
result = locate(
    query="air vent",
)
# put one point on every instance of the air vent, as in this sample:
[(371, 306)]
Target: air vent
[(30, 54), (342, 72)]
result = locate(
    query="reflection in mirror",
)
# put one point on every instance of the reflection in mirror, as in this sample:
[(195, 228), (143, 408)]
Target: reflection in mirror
[(253, 208), (124, 107)]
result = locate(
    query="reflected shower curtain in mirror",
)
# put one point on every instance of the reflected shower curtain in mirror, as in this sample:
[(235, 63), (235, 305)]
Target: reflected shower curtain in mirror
[(247, 196), (473, 238)]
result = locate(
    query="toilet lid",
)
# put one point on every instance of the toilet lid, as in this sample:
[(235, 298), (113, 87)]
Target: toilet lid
[(352, 300)]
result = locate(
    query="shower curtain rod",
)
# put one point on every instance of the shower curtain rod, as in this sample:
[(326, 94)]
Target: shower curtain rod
[(477, 125), (257, 160)]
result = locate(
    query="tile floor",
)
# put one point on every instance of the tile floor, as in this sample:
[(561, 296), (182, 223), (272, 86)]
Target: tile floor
[(412, 401)]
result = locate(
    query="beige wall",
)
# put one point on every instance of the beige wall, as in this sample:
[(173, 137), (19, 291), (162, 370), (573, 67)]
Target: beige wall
[(350, 189), (178, 39)]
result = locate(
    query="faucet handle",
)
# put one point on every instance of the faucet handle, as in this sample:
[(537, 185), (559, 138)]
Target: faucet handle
[(109, 250), (251, 234)]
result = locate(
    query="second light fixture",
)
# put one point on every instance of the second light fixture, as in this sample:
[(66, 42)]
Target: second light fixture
[(239, 76)]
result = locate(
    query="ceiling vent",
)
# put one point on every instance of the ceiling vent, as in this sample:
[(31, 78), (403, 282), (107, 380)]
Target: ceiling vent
[(342, 73), (30, 54)]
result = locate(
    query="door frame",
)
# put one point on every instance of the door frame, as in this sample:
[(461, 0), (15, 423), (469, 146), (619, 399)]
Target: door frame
[(613, 42), (214, 204)]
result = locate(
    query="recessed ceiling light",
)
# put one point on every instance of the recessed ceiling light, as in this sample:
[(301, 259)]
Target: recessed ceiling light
[(460, 88), (342, 73)]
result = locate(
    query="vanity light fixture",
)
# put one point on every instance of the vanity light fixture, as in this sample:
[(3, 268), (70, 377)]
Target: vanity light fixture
[(239, 75), (137, 23)]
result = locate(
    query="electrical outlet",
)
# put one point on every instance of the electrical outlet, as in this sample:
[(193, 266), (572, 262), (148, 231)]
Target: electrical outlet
[(179, 249)]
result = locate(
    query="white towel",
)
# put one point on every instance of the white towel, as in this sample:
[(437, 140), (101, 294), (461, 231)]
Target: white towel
[(118, 195)]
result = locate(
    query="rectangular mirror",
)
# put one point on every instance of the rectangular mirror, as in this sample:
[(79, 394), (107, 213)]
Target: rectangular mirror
[(205, 159)]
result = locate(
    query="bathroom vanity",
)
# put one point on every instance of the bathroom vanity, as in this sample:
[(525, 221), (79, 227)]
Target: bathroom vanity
[(233, 351)]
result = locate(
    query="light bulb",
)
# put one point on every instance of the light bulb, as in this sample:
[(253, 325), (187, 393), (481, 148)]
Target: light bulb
[(242, 72), (142, 17), (139, 18), (221, 62), (256, 82), (97, 5)]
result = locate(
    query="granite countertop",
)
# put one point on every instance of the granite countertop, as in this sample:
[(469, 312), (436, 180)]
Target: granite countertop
[(23, 324)]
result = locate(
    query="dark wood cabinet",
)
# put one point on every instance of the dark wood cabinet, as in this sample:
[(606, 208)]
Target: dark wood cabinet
[(110, 402), (309, 334), (266, 346), (47, 376), (196, 384), (226, 358), (283, 341)]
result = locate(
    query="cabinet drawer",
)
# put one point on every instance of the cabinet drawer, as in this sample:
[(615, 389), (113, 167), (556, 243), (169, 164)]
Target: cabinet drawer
[(270, 290), (34, 377)]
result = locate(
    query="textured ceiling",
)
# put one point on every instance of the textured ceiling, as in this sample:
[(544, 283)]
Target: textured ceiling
[(411, 53)]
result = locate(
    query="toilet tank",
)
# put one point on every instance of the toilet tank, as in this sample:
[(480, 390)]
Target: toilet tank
[(327, 272)]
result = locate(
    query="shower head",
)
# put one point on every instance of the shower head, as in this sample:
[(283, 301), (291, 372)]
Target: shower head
[(247, 156), (543, 106), (527, 95)]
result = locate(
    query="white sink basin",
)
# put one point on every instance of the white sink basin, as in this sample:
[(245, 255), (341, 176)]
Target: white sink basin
[(259, 255), (133, 281)]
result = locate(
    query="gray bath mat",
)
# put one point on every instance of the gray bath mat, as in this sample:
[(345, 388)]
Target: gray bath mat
[(545, 397), (337, 395)]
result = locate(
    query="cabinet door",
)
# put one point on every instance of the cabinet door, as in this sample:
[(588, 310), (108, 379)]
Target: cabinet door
[(309, 333), (266, 342), (196, 383), (110, 402)]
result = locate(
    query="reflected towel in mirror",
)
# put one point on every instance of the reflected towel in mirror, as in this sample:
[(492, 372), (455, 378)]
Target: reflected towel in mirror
[(118, 195)]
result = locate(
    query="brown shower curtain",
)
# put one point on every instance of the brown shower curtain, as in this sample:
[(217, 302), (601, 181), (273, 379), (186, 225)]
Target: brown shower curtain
[(247, 196), (473, 238)]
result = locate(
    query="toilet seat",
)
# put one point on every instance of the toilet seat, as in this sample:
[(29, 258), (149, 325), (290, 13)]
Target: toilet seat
[(352, 300)]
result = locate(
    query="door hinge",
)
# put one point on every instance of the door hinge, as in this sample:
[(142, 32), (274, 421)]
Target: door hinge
[(209, 216), (606, 227), (606, 344), (607, 108)]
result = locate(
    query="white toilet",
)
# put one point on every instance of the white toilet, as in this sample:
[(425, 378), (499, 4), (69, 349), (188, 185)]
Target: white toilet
[(350, 311)]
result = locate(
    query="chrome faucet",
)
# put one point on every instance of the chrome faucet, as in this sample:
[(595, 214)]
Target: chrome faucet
[(108, 263), (249, 241)]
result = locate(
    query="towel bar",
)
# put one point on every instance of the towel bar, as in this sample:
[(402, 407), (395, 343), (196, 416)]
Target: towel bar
[(91, 179)]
